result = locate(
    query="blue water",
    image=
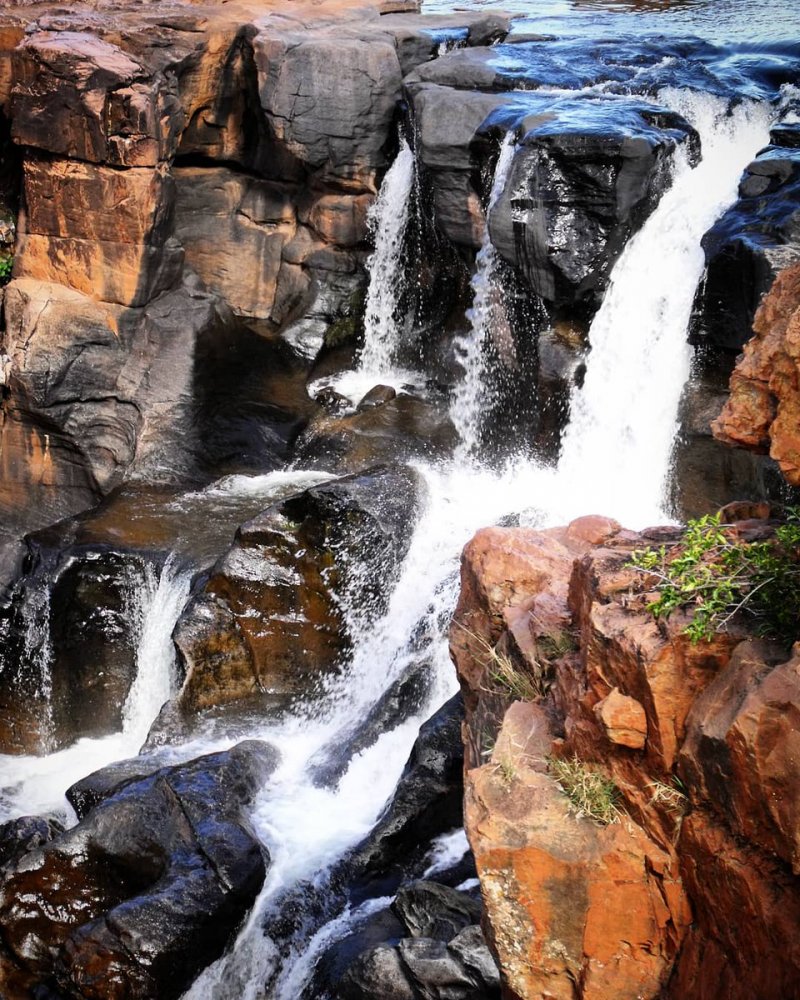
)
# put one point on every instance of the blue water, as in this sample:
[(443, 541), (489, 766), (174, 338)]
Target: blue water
[(721, 22)]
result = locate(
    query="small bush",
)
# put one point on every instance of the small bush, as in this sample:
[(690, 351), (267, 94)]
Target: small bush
[(589, 791), (716, 576), (6, 267)]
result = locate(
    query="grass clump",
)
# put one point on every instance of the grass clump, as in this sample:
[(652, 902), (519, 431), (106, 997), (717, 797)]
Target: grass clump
[(504, 675), (716, 575), (589, 791), (6, 267), (670, 796)]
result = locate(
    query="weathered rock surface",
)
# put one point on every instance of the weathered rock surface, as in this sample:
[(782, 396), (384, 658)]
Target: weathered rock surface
[(145, 891), (747, 248), (634, 908), (272, 617), (763, 412)]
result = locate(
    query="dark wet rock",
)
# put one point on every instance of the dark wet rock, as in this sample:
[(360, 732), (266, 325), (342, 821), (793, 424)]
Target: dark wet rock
[(755, 239), (145, 891), (430, 910), (381, 928), (100, 785), (426, 802), (270, 620), (332, 401), (425, 969), (377, 396), (401, 429), (601, 178), (378, 973), (18, 836)]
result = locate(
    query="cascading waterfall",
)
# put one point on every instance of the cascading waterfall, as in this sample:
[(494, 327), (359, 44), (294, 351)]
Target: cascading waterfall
[(644, 320), (624, 418), (155, 680), (388, 221), (154, 611), (470, 397)]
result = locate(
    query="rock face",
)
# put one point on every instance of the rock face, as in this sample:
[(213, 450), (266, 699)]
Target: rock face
[(747, 248), (272, 617), (763, 411), (642, 906), (144, 892)]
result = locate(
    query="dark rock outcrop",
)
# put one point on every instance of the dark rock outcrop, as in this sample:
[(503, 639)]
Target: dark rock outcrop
[(271, 620), (145, 891), (754, 240)]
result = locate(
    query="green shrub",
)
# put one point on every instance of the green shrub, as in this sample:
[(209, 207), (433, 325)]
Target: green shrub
[(715, 575), (6, 266)]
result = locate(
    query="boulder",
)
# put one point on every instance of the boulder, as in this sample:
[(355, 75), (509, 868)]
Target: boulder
[(426, 802), (430, 910), (273, 616), (567, 176), (425, 969), (145, 891), (403, 428)]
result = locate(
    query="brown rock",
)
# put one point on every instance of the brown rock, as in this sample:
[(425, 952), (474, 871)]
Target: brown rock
[(234, 228), (746, 909), (742, 750), (763, 412), (623, 719), (568, 901)]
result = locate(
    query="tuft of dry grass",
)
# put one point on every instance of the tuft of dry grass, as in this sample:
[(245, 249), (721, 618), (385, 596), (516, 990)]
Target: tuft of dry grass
[(504, 674), (667, 795), (589, 791)]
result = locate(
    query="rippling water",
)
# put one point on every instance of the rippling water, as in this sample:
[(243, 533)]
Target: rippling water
[(718, 21)]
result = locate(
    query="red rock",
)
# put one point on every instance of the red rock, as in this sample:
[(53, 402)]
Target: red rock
[(763, 412), (742, 750), (623, 719)]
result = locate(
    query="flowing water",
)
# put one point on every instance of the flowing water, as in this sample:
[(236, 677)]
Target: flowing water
[(615, 460), (486, 314)]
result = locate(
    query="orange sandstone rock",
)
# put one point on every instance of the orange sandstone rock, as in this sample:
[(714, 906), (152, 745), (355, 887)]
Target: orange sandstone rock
[(763, 412)]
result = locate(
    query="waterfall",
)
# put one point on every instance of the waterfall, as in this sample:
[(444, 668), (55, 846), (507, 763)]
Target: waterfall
[(616, 450), (471, 399), (163, 598), (649, 313), (388, 220), (34, 785)]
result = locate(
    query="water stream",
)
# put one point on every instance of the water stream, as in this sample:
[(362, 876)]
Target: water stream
[(615, 460)]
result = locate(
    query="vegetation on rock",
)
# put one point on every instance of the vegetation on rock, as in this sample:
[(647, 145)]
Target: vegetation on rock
[(589, 791), (715, 575)]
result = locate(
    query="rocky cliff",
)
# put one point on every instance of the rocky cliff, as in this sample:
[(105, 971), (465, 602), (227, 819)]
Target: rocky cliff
[(763, 412), (631, 796)]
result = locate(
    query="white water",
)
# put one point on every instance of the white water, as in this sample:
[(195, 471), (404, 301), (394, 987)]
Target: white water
[(388, 219), (470, 399), (623, 421), (31, 785)]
